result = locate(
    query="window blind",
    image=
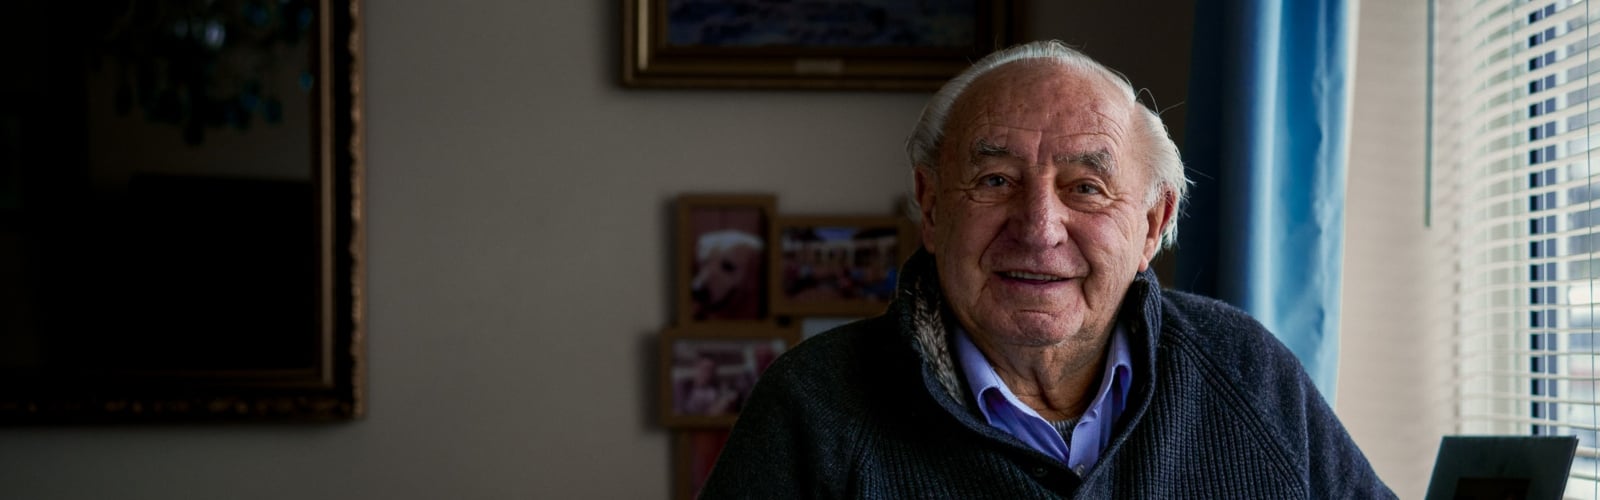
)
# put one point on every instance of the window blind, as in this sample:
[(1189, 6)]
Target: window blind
[(1515, 198)]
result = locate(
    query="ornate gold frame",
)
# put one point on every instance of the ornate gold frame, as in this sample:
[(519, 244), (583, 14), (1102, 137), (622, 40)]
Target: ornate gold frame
[(334, 387), (648, 61)]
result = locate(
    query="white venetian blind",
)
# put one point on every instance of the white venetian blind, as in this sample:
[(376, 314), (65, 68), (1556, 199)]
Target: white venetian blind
[(1514, 200)]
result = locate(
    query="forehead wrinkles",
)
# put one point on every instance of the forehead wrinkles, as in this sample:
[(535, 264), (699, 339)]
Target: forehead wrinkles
[(1096, 149), (1064, 109)]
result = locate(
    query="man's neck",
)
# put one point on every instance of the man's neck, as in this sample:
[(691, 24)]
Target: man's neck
[(1057, 381)]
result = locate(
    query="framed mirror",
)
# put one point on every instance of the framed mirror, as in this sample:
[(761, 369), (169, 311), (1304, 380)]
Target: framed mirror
[(181, 232)]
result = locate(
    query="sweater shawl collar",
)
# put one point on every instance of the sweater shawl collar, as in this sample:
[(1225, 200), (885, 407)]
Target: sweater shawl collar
[(920, 308)]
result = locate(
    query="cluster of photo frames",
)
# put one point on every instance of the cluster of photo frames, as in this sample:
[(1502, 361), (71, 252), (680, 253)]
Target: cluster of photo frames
[(748, 282)]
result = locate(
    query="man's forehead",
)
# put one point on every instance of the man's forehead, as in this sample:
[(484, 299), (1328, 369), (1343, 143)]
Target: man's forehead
[(1054, 83), (1041, 102), (1092, 154), (1002, 133)]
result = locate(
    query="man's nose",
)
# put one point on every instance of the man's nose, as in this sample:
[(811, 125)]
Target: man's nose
[(1041, 216)]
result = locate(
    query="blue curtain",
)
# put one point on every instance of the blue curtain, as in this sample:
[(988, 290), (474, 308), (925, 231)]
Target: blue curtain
[(1265, 145)]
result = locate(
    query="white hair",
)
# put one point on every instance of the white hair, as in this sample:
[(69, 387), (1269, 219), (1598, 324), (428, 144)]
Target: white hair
[(1152, 145), (724, 239)]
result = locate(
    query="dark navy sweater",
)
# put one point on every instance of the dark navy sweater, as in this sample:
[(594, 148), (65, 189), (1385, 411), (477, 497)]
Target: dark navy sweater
[(1219, 408)]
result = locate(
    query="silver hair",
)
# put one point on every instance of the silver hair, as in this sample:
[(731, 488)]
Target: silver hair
[(1153, 144)]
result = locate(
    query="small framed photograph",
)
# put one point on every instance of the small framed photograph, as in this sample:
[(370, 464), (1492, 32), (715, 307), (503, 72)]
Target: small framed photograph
[(722, 258), (708, 372), (839, 44), (694, 453), (837, 266)]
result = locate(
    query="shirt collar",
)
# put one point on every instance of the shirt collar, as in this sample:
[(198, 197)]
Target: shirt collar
[(981, 376), (1109, 402)]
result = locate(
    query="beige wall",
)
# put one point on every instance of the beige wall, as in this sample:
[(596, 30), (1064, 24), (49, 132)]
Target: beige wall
[(1393, 365), (519, 262)]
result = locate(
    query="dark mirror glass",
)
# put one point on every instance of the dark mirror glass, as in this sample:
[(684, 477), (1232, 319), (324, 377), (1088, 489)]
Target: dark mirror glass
[(179, 223)]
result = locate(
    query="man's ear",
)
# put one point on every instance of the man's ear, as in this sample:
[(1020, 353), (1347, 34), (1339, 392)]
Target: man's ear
[(1160, 214), (926, 185)]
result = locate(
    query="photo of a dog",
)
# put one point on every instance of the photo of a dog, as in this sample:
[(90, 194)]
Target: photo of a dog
[(723, 240), (729, 264)]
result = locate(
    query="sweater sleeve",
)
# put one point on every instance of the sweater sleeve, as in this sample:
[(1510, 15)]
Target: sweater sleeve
[(791, 439), (763, 457), (1275, 397), (1335, 466), (1338, 469)]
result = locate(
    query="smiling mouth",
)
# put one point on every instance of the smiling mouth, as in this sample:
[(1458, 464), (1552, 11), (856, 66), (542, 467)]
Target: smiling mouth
[(1031, 277)]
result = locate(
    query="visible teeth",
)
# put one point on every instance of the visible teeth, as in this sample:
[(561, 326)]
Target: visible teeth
[(1031, 276)]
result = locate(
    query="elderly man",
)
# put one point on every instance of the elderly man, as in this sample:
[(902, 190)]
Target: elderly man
[(1030, 352)]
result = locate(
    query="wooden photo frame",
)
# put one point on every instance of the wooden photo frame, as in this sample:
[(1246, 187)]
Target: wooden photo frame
[(722, 257), (694, 453), (200, 253), (707, 372), (842, 45), (838, 265)]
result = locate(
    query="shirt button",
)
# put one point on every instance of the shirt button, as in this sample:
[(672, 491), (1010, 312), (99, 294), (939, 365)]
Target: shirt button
[(1040, 472), (1078, 469)]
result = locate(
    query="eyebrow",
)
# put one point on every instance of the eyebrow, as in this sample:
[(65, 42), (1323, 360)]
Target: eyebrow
[(982, 149), (1100, 160)]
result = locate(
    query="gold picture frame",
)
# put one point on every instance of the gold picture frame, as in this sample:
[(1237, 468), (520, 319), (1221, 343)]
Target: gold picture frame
[(722, 255), (694, 452), (188, 300), (782, 45), (708, 371), (844, 266)]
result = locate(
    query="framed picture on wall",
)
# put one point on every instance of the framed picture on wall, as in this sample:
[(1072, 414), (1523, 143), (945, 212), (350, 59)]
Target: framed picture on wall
[(694, 452), (846, 44), (708, 371), (722, 258), (837, 266), (182, 226)]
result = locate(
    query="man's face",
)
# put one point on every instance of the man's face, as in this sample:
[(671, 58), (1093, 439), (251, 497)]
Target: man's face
[(1037, 211)]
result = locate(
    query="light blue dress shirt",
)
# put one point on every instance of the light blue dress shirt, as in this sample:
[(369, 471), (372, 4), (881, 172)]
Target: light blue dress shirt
[(1092, 433)]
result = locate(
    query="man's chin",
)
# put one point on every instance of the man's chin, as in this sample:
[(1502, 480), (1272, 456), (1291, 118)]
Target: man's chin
[(1031, 328)]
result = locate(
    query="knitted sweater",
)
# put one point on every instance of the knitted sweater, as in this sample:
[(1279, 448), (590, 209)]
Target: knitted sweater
[(876, 409)]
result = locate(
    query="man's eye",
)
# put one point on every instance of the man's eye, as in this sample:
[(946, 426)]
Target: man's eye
[(1086, 189), (994, 181)]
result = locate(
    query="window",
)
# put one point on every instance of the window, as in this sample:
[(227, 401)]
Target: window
[(1542, 131), (1526, 276), (1540, 84), (1542, 108)]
